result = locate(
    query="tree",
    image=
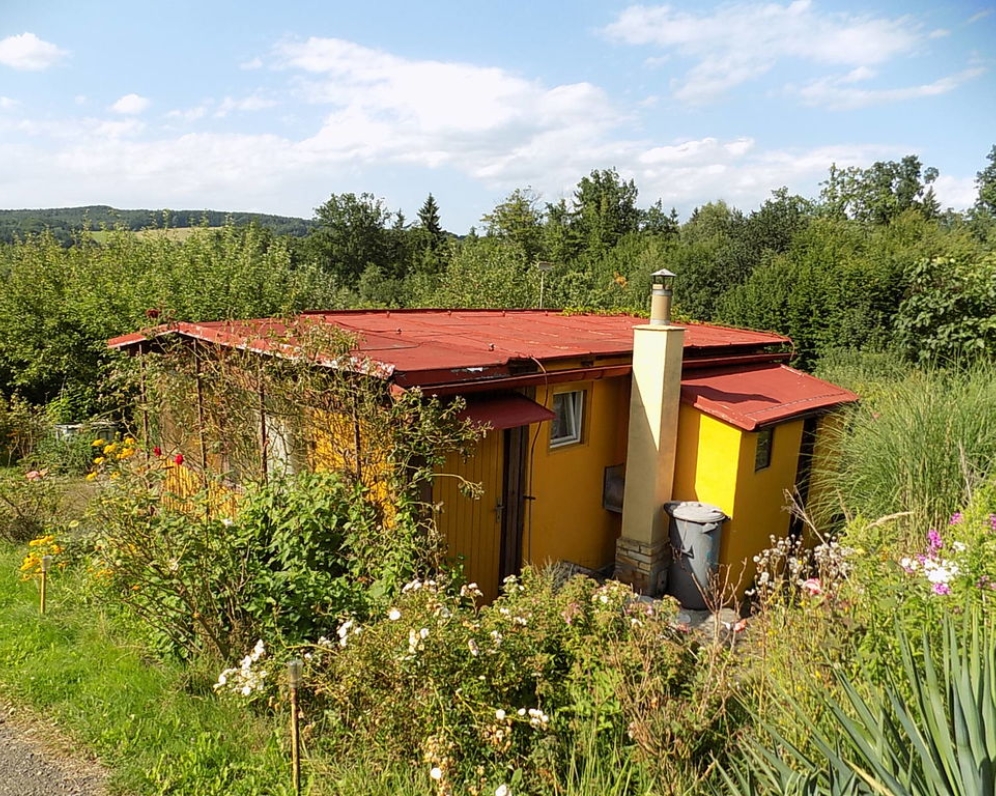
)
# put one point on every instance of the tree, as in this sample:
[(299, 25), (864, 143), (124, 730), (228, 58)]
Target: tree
[(949, 313), (487, 272), (428, 240), (351, 234), (880, 193), (604, 210), (518, 219), (428, 218), (986, 182), (654, 221), (831, 289)]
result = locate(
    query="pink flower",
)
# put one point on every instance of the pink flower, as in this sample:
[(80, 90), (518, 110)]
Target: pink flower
[(813, 587), (955, 518), (178, 459), (941, 588), (934, 540), (34, 475)]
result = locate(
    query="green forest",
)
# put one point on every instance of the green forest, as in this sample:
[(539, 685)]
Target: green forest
[(64, 223), (872, 263)]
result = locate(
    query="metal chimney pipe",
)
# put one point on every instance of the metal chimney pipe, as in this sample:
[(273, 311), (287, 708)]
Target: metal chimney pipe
[(660, 297)]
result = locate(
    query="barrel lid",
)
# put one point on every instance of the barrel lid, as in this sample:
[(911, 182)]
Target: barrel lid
[(693, 511)]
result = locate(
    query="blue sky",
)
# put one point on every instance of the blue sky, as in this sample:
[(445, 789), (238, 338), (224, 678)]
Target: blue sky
[(272, 107)]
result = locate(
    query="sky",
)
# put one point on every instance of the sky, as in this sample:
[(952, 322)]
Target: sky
[(274, 107)]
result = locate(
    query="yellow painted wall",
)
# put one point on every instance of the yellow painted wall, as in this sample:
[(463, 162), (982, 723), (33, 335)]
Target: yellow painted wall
[(565, 521), (715, 464), (708, 459), (760, 501)]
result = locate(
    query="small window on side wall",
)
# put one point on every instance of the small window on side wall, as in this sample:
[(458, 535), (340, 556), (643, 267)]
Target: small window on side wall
[(568, 409), (762, 454)]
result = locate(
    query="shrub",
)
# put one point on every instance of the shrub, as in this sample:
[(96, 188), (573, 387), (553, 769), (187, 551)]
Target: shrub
[(22, 427), (30, 504), (216, 571), (475, 695)]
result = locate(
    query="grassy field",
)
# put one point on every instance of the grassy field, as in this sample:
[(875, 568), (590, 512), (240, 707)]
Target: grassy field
[(172, 233), (157, 726)]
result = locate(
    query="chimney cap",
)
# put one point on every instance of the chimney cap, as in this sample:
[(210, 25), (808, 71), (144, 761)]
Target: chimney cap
[(663, 274)]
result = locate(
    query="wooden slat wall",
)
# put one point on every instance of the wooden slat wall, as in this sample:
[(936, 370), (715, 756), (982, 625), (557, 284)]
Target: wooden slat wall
[(472, 528)]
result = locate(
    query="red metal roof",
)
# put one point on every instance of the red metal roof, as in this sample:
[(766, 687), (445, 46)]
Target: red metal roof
[(449, 347), (761, 395)]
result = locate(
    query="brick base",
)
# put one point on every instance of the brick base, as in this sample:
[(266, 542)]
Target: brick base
[(643, 565)]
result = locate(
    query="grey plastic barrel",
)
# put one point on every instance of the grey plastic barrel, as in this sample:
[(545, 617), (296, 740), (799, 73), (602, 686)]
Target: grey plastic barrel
[(696, 532)]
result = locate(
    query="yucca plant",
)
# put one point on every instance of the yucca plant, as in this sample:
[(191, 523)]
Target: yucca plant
[(930, 730)]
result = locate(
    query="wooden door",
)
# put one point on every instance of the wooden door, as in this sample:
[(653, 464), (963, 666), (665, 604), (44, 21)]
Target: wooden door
[(471, 527)]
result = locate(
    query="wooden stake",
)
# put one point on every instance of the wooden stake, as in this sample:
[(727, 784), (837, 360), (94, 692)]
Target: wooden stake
[(294, 679)]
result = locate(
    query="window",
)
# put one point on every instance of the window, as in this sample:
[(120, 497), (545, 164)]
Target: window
[(762, 455), (568, 408)]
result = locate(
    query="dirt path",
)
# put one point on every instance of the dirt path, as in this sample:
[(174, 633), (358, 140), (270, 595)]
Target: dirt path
[(36, 761)]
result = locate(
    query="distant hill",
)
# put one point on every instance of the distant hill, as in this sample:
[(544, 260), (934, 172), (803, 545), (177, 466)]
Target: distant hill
[(64, 221)]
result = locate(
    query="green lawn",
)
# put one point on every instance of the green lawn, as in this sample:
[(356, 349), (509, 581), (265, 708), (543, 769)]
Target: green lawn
[(158, 726)]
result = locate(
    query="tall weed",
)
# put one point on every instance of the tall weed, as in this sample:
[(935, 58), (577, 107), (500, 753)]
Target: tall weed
[(921, 445)]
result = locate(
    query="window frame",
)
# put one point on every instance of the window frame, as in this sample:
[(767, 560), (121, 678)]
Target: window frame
[(575, 400), (765, 445)]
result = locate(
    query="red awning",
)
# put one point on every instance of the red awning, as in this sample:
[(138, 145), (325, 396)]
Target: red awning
[(760, 396), (505, 411)]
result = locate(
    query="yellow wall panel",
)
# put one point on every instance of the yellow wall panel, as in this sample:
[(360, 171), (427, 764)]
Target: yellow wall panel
[(565, 520), (760, 501)]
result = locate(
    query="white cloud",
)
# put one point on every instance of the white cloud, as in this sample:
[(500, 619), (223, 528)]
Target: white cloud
[(252, 63), (957, 192), (835, 93), (118, 129), (131, 104), (29, 53), (740, 172), (381, 113), (482, 120), (737, 43), (6, 103), (189, 114), (253, 102)]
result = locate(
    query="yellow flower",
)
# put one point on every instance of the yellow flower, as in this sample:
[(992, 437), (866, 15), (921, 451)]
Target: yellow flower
[(130, 441), (108, 449), (100, 460), (97, 443), (90, 476), (125, 453)]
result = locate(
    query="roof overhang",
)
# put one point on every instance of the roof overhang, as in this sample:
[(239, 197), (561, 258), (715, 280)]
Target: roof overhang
[(504, 411), (761, 395)]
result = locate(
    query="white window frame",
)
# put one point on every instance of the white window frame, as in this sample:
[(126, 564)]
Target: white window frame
[(568, 407)]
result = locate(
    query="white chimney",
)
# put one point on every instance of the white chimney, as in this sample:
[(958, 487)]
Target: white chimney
[(643, 550)]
